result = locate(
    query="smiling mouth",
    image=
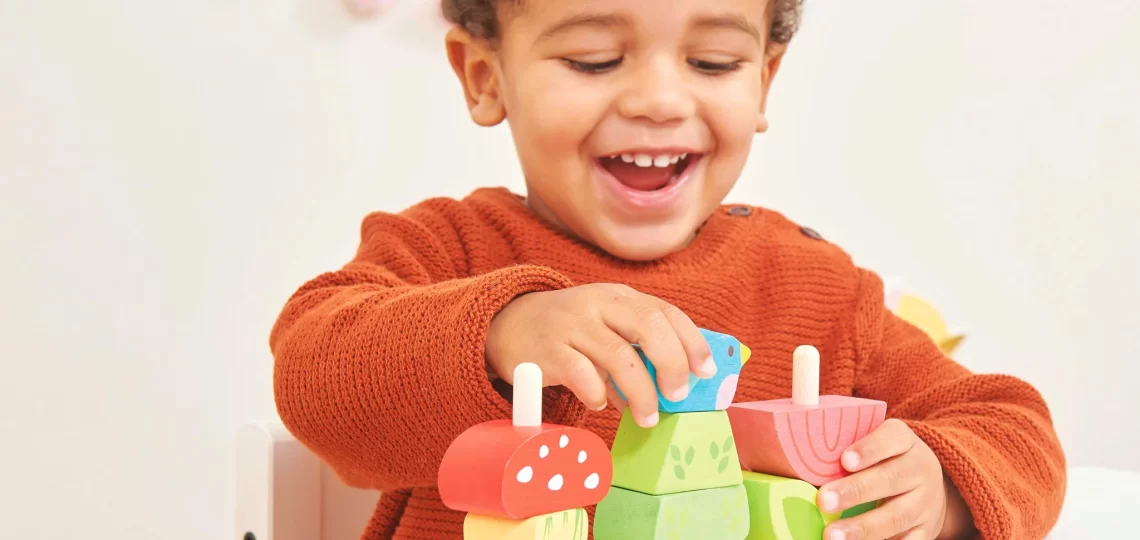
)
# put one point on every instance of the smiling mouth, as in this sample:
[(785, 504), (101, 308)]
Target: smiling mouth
[(644, 172)]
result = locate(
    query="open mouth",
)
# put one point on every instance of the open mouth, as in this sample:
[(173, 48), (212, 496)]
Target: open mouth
[(645, 172)]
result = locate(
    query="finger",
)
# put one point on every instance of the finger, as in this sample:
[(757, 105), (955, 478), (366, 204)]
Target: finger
[(641, 321), (692, 341), (917, 533), (614, 355), (889, 478), (890, 439), (896, 516), (580, 376), (613, 397)]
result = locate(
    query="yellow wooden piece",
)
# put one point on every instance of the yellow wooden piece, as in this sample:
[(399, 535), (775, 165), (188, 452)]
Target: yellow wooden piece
[(921, 314), (565, 525)]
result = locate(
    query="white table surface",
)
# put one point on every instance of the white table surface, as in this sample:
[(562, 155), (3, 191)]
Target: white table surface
[(1099, 503)]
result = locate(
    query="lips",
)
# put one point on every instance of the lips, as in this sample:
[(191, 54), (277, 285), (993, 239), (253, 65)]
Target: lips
[(646, 172), (644, 185)]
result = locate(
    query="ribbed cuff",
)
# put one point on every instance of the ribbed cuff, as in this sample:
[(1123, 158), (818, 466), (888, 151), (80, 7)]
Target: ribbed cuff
[(981, 495), (500, 287)]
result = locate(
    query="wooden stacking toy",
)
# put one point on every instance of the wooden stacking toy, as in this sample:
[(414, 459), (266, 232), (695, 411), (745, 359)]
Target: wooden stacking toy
[(743, 471), (784, 508), (523, 478), (680, 479), (790, 447), (715, 393), (803, 437)]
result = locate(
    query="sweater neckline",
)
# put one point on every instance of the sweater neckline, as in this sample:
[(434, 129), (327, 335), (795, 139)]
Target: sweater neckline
[(707, 244)]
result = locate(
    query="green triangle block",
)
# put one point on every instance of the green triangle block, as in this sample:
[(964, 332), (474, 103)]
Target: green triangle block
[(683, 452), (718, 513)]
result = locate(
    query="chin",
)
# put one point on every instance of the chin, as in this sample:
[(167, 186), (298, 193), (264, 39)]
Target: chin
[(641, 244)]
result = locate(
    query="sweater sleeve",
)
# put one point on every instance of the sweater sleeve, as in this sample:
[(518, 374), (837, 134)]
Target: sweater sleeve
[(993, 434), (380, 365)]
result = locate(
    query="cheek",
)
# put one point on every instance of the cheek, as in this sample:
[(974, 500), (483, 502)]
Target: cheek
[(550, 118), (732, 116), (552, 115)]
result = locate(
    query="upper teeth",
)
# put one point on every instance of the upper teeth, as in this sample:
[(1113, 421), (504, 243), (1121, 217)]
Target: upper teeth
[(646, 160)]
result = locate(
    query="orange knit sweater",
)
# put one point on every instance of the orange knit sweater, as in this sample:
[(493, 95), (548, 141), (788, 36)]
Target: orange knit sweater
[(379, 366)]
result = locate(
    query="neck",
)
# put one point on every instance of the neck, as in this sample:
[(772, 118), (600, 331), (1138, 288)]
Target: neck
[(543, 212)]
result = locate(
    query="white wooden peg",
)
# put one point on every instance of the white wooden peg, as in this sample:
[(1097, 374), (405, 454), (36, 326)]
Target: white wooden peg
[(805, 376), (527, 395)]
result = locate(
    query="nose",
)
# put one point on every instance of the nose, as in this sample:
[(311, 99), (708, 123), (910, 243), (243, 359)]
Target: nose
[(657, 93)]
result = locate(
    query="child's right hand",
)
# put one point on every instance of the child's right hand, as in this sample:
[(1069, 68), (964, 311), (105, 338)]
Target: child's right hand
[(582, 336)]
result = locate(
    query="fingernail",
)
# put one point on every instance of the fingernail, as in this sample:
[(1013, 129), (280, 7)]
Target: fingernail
[(850, 460), (708, 367), (680, 393), (830, 502), (650, 420), (602, 407), (837, 534)]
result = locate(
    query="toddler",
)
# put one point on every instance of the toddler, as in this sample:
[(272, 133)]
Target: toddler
[(632, 120)]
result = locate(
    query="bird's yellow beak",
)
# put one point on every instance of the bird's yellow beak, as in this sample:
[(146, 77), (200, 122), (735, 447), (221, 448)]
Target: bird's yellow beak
[(745, 353)]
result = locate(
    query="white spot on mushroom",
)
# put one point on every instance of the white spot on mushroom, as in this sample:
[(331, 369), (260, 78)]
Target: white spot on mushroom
[(592, 481), (555, 482), (581, 456), (563, 441), (525, 474), (543, 451)]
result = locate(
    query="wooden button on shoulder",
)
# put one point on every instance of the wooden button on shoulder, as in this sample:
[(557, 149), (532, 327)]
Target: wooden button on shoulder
[(740, 211), (811, 233)]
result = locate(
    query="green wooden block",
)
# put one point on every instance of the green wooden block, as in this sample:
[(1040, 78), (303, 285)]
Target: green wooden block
[(784, 509), (720, 513), (683, 452), (859, 509)]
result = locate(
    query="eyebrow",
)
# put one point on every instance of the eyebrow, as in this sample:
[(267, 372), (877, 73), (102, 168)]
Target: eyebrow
[(729, 22), (605, 20), (601, 20)]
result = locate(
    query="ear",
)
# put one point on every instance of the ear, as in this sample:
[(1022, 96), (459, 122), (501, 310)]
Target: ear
[(476, 66), (772, 58)]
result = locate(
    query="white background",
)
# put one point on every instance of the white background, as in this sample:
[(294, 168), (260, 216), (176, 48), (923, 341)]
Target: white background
[(171, 171)]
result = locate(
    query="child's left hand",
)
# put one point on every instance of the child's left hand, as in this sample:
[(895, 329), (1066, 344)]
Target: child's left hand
[(890, 464)]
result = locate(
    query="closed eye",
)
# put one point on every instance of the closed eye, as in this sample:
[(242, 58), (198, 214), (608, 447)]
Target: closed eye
[(593, 67), (714, 67)]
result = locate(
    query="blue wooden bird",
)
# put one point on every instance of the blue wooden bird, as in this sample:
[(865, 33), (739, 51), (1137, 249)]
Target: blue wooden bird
[(711, 394)]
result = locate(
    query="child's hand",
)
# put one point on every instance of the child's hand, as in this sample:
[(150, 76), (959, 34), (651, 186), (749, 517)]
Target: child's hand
[(890, 463), (582, 336)]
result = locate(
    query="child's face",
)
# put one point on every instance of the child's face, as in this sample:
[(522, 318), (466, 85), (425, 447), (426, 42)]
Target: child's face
[(678, 87)]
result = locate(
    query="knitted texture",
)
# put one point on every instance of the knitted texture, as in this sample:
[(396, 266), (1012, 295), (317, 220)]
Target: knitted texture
[(380, 365)]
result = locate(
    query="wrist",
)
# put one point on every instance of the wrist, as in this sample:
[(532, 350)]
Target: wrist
[(492, 375), (958, 521), (493, 345)]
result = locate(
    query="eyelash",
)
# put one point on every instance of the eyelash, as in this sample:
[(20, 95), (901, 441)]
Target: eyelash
[(714, 68), (708, 68), (593, 67)]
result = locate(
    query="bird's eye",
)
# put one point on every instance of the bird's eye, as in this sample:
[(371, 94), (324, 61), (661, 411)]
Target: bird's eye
[(730, 350)]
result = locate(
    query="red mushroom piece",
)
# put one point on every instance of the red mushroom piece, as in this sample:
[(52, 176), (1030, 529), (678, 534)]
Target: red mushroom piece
[(521, 468)]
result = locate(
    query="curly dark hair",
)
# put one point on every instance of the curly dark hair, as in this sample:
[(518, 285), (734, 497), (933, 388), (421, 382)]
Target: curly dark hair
[(479, 18)]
